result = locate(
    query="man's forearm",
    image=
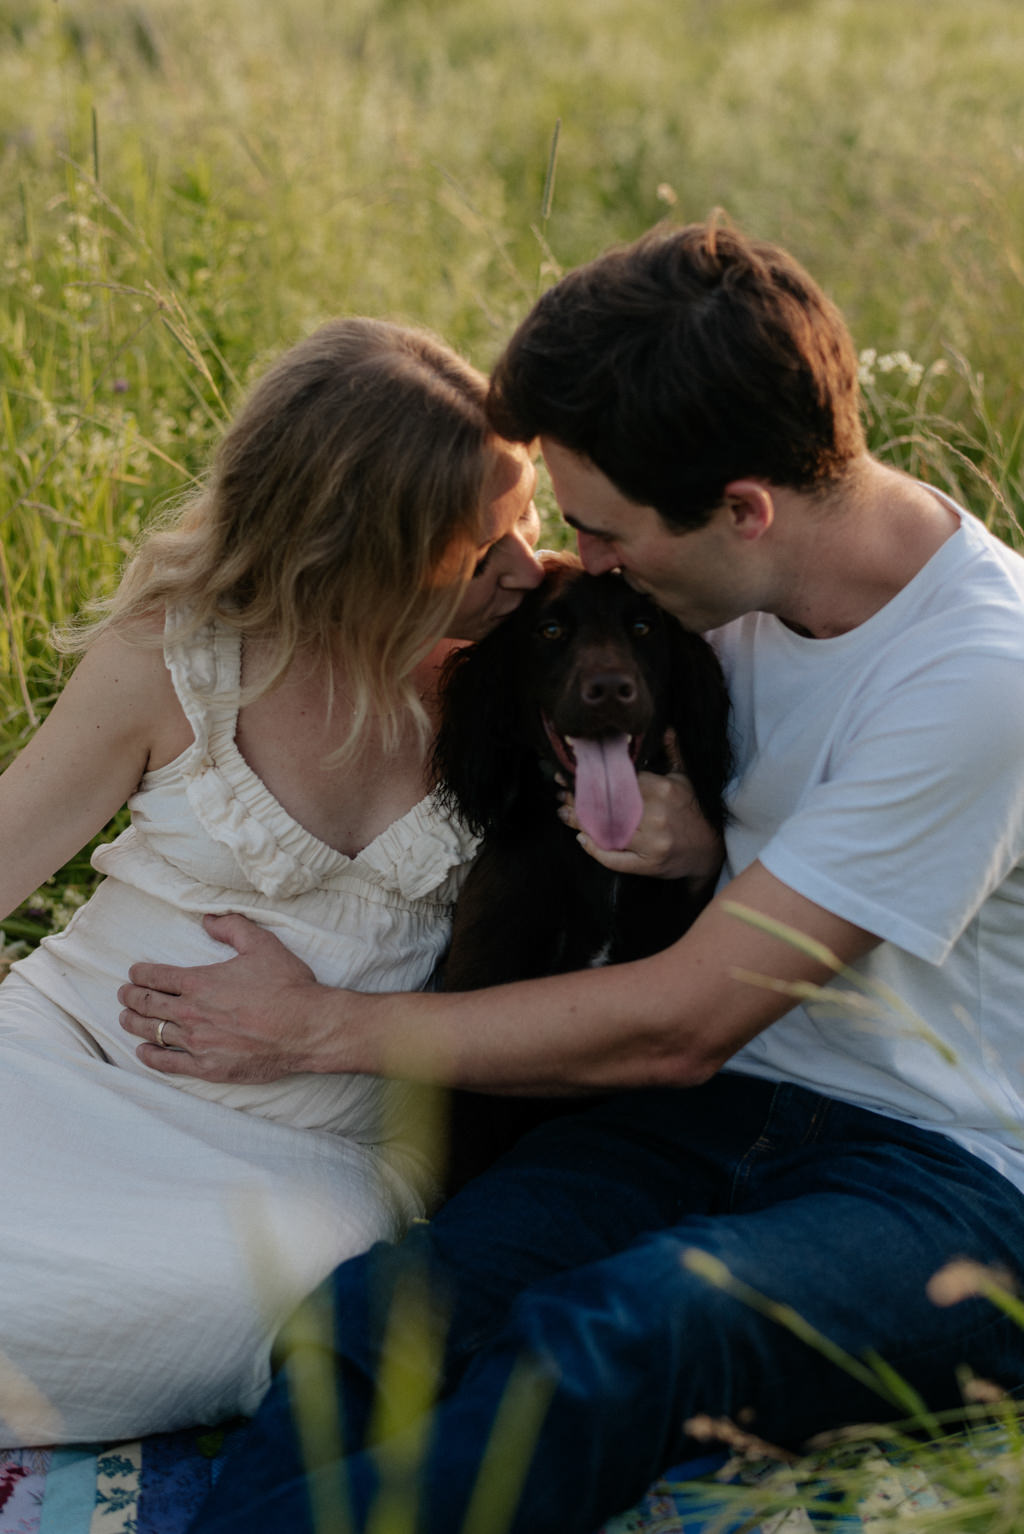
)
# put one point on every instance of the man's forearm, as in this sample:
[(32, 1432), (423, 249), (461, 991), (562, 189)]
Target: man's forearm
[(586, 1031), (672, 1019)]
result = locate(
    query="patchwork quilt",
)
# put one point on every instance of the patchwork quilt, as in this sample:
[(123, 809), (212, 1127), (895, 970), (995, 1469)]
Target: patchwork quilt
[(152, 1486), (155, 1485)]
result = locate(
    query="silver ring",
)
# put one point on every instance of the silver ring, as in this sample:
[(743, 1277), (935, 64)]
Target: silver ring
[(161, 1025)]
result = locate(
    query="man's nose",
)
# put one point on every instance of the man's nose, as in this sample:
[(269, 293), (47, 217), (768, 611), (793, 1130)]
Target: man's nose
[(597, 555)]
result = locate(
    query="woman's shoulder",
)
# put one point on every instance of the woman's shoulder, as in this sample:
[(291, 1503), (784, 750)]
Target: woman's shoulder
[(120, 690), (127, 662), (132, 648)]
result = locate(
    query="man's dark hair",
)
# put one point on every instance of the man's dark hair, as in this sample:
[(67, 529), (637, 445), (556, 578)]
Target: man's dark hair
[(682, 361)]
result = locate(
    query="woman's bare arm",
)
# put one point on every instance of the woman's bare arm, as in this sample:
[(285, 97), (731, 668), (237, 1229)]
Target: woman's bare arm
[(83, 762)]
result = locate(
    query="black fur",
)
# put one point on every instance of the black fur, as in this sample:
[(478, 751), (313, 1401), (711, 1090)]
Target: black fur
[(597, 658)]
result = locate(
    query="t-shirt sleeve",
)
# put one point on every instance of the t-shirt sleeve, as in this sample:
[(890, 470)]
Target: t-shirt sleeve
[(919, 814)]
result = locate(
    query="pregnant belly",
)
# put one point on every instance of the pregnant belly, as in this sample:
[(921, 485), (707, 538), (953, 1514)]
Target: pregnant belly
[(80, 969)]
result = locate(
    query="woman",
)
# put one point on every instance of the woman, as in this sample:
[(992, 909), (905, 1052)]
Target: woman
[(259, 691)]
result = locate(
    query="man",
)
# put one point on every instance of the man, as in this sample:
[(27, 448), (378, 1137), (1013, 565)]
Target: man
[(636, 1266)]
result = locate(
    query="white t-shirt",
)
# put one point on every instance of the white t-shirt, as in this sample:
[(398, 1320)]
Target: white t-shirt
[(881, 775)]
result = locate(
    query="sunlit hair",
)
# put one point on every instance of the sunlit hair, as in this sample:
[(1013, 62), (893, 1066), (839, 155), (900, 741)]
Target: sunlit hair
[(690, 358), (341, 515)]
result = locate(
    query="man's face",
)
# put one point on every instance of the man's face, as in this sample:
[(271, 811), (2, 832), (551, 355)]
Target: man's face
[(696, 575)]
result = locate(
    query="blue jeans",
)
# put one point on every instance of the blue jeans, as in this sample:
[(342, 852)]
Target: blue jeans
[(562, 1269)]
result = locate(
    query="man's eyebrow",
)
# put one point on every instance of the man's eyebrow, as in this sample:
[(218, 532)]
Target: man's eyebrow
[(581, 527)]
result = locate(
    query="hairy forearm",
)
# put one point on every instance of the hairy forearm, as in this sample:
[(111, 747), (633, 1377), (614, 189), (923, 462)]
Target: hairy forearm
[(565, 1034), (671, 1019)]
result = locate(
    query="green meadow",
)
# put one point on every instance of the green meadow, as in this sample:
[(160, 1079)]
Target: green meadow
[(186, 188)]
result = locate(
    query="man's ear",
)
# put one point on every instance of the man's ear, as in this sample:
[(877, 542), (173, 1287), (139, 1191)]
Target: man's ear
[(750, 507)]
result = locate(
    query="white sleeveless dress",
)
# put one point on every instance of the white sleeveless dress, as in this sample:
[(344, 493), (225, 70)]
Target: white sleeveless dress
[(156, 1231)]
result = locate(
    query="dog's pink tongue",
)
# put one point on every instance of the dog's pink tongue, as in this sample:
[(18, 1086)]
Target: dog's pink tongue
[(608, 801)]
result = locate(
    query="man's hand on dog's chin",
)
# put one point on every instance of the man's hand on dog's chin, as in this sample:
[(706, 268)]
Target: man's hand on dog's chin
[(249, 1019), (672, 841)]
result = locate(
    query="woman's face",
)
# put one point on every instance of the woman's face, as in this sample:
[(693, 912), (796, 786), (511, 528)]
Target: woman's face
[(506, 567)]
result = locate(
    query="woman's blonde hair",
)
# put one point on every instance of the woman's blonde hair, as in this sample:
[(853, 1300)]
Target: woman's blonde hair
[(341, 513)]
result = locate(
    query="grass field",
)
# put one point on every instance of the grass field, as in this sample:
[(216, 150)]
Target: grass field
[(187, 188)]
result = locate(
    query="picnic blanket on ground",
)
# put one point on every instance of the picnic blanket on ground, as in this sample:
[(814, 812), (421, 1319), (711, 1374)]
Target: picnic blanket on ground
[(152, 1486), (155, 1485)]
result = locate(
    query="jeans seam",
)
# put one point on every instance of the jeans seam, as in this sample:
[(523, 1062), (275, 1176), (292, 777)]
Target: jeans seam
[(745, 1168), (818, 1120)]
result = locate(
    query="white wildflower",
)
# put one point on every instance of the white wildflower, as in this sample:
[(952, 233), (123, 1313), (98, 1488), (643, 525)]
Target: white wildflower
[(866, 368)]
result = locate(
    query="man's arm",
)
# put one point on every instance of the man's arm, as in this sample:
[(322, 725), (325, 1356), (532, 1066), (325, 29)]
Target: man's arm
[(673, 1019)]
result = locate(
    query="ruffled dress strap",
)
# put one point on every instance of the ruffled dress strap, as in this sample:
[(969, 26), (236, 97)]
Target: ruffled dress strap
[(275, 853), (419, 856), (206, 668)]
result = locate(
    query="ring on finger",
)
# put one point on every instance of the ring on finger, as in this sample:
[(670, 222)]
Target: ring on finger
[(161, 1025)]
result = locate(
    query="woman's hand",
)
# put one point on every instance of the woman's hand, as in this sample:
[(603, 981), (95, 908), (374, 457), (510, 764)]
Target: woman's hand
[(250, 1019)]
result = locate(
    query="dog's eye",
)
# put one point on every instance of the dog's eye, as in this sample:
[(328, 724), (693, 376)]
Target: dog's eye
[(550, 629), (641, 627)]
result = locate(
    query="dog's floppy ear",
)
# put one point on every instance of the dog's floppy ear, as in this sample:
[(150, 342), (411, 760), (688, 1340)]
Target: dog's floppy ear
[(477, 759), (482, 757), (698, 711)]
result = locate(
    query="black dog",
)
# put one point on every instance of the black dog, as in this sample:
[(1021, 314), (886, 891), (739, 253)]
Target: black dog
[(586, 680)]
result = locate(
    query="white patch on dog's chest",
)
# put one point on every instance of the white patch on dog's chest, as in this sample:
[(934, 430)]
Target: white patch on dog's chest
[(603, 954)]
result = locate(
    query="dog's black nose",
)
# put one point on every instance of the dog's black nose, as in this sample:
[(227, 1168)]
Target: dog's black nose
[(608, 687)]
